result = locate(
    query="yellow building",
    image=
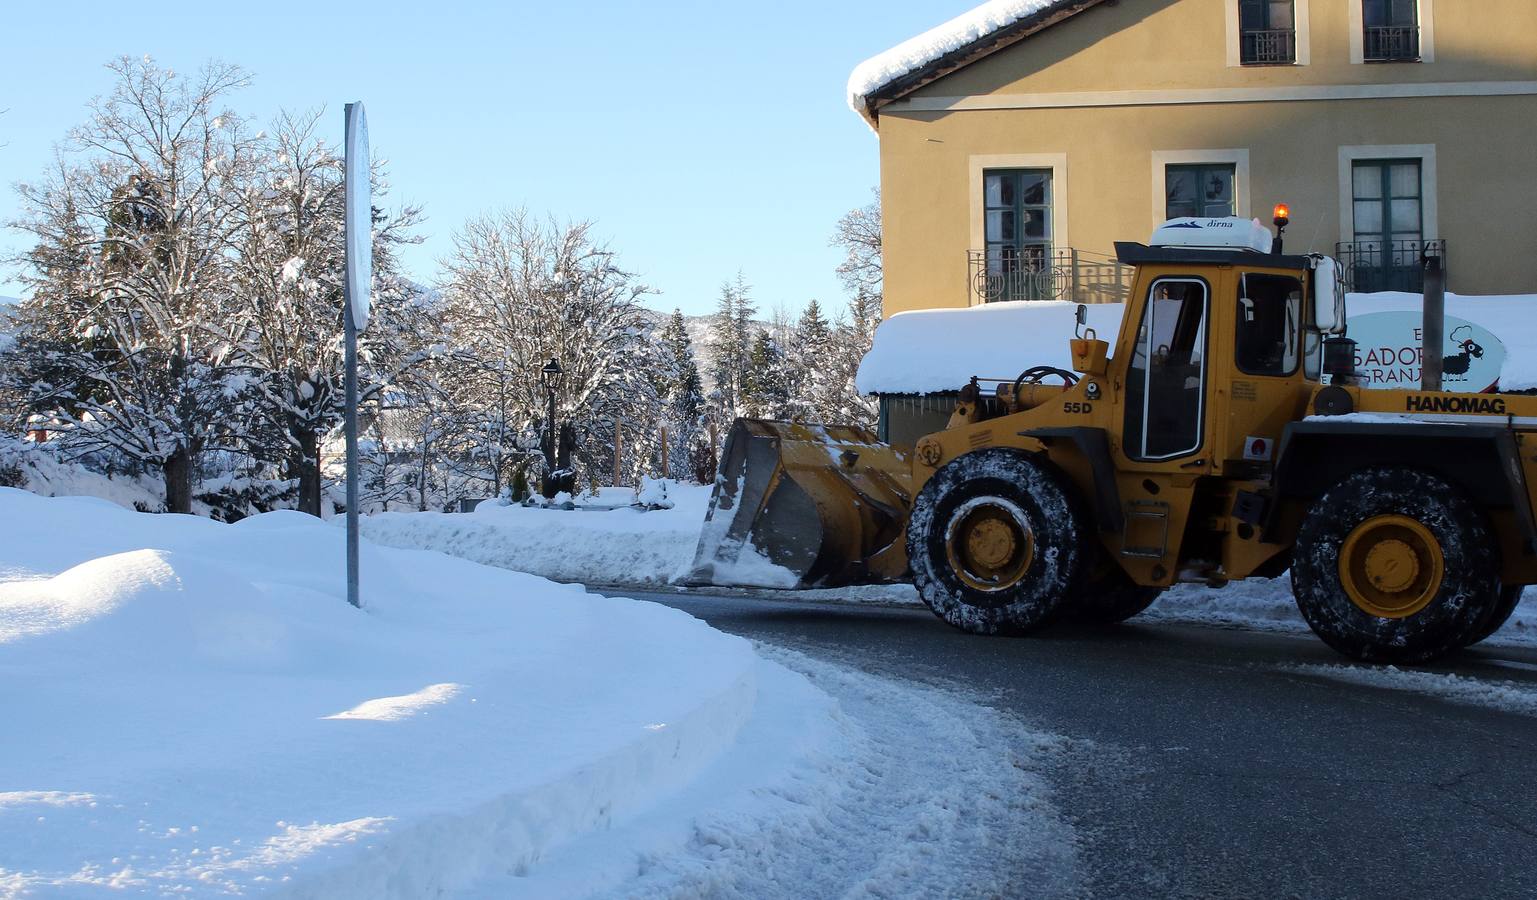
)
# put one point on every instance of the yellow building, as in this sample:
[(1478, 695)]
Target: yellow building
[(1021, 140)]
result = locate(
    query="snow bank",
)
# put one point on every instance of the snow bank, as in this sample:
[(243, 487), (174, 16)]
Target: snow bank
[(596, 543), (915, 53), (33, 467), (932, 350), (192, 707)]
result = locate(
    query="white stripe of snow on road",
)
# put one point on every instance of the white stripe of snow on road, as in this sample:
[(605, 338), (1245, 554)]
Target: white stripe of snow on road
[(1503, 696)]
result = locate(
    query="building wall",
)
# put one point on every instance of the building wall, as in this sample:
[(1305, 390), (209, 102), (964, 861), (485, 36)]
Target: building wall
[(1058, 100)]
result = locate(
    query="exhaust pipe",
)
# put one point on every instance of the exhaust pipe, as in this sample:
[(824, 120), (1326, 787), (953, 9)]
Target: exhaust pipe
[(1433, 343)]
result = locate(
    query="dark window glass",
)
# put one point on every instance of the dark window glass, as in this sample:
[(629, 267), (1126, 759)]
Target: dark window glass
[(1199, 191), (1269, 324), (1392, 31), (1165, 382), (1017, 228), (1389, 13), (1267, 32)]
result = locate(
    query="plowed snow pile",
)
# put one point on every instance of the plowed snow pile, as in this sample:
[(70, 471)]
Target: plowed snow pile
[(190, 707), (589, 545)]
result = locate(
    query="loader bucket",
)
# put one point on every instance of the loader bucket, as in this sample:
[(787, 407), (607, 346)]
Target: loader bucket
[(800, 505)]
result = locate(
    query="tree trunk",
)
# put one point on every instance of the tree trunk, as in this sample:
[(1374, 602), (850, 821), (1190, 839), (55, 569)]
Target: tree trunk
[(304, 464), (421, 482), (178, 481)]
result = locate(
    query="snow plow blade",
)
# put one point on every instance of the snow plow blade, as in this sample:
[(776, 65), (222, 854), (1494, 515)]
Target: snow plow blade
[(804, 506)]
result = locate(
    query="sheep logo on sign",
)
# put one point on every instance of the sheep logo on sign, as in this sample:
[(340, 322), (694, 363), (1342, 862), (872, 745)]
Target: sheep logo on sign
[(1389, 354)]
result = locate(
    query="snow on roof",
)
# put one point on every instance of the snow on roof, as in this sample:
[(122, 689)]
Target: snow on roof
[(932, 350), (915, 53)]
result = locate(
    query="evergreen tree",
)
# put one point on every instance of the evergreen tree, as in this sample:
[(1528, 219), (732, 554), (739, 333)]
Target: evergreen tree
[(684, 395), (722, 347), (809, 375), (766, 393)]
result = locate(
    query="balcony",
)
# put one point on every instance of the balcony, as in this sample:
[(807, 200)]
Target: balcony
[(1372, 266), (1273, 47), (1393, 43), (1046, 273)]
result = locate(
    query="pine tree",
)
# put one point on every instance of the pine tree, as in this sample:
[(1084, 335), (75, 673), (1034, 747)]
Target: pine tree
[(766, 393), (730, 339), (810, 357), (684, 395)]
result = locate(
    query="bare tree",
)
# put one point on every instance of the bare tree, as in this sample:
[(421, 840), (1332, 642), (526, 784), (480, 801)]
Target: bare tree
[(521, 291), (290, 268), (130, 275)]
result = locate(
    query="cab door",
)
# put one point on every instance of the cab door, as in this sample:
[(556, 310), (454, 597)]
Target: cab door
[(1264, 383), (1166, 375), (1164, 424)]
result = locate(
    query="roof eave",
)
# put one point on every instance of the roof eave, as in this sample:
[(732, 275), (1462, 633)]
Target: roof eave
[(962, 57)]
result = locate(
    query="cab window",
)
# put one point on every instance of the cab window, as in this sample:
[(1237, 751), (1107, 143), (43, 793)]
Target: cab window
[(1165, 383), (1269, 339)]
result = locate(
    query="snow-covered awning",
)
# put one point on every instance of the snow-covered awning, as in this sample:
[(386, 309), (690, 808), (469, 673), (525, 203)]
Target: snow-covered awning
[(949, 45), (933, 350)]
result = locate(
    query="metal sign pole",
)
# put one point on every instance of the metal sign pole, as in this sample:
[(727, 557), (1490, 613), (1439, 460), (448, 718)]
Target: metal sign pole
[(350, 333), (359, 283)]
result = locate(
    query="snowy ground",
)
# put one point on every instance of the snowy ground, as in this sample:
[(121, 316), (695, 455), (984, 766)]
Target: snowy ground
[(593, 544), (200, 712), (635, 548)]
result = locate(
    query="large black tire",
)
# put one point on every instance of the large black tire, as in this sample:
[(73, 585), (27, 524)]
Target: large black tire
[(1108, 597), (1422, 519), (1499, 614), (1026, 506)]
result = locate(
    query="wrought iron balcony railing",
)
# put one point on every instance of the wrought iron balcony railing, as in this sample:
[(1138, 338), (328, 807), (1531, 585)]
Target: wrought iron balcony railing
[(1046, 273), (1392, 43), (1372, 266), (1273, 47)]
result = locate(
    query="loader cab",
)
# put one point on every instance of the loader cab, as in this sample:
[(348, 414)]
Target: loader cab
[(1217, 329), (1218, 352)]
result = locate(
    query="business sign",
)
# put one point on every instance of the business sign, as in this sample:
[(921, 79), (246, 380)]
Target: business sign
[(1389, 352)]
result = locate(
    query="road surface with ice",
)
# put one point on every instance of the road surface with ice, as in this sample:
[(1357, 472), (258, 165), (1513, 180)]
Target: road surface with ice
[(1200, 761)]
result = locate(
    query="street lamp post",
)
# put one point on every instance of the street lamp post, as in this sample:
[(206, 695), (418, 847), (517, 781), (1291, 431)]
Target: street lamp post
[(550, 377)]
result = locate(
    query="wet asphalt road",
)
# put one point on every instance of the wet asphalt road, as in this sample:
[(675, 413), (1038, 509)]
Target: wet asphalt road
[(1203, 763)]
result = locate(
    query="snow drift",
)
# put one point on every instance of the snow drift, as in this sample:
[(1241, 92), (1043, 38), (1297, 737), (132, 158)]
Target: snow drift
[(592, 545), (192, 707)]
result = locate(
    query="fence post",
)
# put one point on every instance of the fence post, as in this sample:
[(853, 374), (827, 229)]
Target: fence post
[(1073, 251)]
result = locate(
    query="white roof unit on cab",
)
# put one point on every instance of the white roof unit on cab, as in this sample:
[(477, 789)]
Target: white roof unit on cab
[(1214, 234)]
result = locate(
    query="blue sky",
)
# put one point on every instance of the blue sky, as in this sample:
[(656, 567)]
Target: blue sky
[(702, 137)]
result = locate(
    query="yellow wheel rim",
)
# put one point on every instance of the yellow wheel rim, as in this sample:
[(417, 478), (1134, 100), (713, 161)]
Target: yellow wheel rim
[(1391, 566), (989, 543)]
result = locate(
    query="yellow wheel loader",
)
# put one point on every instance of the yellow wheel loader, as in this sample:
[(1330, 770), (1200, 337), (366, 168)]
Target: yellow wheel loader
[(1221, 436)]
